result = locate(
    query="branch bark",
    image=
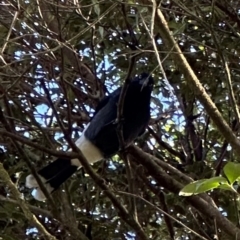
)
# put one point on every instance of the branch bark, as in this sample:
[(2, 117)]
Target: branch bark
[(174, 186), (194, 82), (28, 214)]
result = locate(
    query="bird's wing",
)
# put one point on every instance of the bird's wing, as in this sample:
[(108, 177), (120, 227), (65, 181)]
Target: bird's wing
[(106, 99), (101, 104), (105, 114)]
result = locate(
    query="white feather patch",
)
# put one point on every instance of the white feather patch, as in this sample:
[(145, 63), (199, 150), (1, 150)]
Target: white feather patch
[(37, 193), (90, 152), (31, 181)]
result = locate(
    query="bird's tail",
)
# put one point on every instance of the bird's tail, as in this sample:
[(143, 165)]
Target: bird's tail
[(52, 176)]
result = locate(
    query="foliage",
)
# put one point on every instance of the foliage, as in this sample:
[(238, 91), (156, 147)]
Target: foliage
[(232, 172), (59, 58)]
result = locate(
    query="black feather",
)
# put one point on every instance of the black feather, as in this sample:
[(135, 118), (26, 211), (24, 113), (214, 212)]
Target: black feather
[(102, 130)]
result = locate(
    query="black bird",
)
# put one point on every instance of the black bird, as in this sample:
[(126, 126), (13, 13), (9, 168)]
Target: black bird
[(100, 139)]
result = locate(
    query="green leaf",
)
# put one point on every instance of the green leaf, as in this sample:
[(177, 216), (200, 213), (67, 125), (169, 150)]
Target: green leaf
[(232, 171), (202, 185), (227, 187), (96, 7), (101, 31), (144, 10)]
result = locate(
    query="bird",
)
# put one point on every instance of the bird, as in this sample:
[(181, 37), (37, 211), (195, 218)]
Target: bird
[(100, 138)]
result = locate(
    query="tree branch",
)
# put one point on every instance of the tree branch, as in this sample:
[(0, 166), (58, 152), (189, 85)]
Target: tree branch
[(16, 194), (195, 84), (174, 186)]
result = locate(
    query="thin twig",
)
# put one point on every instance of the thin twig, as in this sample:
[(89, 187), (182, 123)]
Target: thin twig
[(163, 212), (16, 194), (100, 182), (27, 160), (120, 120), (122, 210), (175, 186), (36, 210), (28, 142), (195, 84), (228, 75), (166, 145)]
